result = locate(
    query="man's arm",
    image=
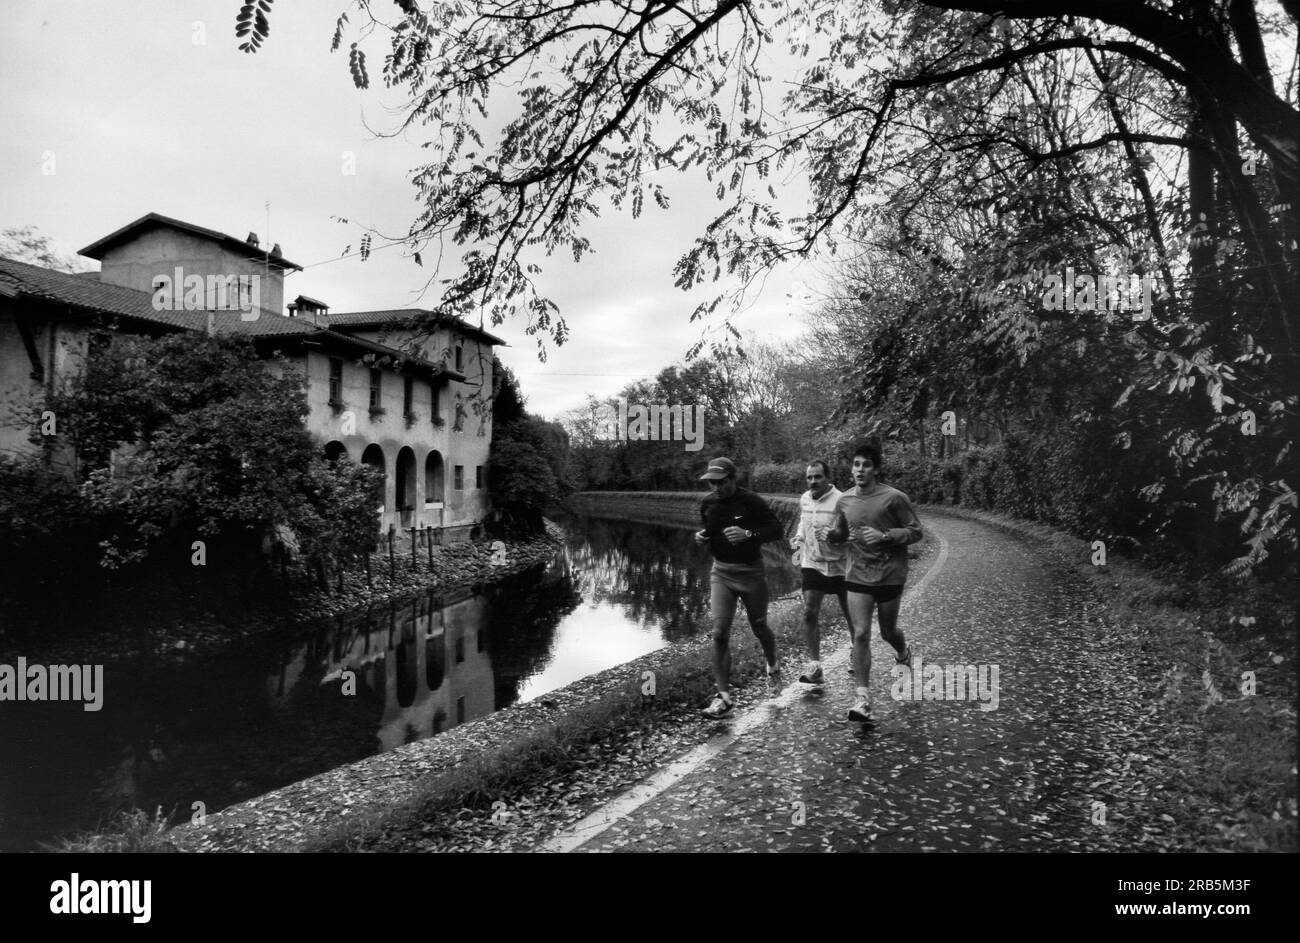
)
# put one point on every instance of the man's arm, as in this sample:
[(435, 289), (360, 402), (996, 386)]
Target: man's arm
[(769, 525), (702, 536), (839, 532), (796, 542), (910, 530)]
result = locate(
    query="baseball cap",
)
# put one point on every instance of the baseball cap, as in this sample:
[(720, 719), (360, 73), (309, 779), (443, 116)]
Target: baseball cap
[(719, 468)]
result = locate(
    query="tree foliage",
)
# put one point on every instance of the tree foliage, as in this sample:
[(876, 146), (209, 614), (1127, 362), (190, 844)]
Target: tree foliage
[(190, 437), (528, 464), (968, 148), (26, 244)]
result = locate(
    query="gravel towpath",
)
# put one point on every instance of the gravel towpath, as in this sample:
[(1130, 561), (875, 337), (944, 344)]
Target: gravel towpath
[(1065, 758)]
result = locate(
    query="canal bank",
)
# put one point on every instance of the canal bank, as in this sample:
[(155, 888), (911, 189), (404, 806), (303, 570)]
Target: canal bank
[(254, 703), (508, 776), (170, 631)]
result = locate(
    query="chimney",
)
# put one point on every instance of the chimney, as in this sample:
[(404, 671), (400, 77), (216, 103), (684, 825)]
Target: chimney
[(275, 251), (252, 239), (310, 308)]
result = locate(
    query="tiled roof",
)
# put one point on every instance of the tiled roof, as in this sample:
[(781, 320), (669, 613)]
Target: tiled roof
[(18, 279), (89, 294), (99, 247), (399, 317)]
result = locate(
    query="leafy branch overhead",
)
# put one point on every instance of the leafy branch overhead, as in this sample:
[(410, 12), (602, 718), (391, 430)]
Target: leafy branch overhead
[(608, 94), (965, 149), (252, 26)]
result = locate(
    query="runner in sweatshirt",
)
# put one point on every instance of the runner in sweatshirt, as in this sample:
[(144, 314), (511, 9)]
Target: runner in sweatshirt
[(877, 522), (737, 523)]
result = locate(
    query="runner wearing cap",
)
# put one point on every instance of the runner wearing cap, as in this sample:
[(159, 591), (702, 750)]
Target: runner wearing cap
[(877, 522), (737, 523), (821, 564)]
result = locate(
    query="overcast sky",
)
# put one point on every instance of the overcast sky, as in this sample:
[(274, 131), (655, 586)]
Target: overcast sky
[(140, 118)]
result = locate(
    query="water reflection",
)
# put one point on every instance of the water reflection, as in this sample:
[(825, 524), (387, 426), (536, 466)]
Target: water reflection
[(239, 723)]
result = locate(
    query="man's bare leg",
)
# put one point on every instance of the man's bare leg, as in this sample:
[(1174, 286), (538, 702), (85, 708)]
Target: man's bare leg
[(812, 605), (889, 631), (861, 606), (843, 597)]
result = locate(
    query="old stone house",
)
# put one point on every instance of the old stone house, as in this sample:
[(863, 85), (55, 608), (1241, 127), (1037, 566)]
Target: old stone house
[(411, 403)]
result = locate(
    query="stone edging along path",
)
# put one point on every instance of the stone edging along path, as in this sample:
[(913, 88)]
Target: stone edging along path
[(284, 819)]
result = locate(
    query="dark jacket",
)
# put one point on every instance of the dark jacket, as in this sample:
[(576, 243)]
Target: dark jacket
[(743, 509)]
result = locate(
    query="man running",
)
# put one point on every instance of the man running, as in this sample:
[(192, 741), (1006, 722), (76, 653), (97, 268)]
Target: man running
[(821, 564), (877, 522), (737, 523)]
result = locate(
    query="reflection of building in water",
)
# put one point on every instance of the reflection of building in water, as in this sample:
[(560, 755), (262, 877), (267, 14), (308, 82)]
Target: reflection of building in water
[(429, 667)]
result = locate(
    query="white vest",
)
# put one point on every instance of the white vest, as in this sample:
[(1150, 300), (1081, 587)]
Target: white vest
[(827, 559)]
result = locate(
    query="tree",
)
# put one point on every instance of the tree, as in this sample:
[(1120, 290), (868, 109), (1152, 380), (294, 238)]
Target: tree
[(190, 437), (1060, 117), (26, 244), (528, 463), (638, 89)]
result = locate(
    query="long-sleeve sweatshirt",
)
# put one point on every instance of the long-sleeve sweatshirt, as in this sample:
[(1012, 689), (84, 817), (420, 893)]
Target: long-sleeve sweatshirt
[(745, 510), (887, 510)]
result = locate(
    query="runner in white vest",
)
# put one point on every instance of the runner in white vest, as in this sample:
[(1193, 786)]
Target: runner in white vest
[(821, 564)]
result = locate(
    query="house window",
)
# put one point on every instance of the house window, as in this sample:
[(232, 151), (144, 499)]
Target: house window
[(459, 479), (376, 390), (460, 357), (435, 402), (460, 649), (408, 395), (336, 380), (460, 709), (478, 476)]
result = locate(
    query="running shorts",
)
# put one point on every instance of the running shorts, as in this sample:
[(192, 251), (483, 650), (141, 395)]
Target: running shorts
[(879, 593)]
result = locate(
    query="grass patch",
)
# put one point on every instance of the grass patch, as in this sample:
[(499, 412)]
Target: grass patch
[(128, 832)]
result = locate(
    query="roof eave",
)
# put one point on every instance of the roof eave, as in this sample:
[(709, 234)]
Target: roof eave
[(99, 247)]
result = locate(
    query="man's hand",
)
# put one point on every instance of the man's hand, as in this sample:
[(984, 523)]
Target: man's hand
[(870, 537), (701, 537), (735, 534)]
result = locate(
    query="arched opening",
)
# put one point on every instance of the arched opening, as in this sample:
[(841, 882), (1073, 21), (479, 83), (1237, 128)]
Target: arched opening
[(374, 457), (433, 477), (405, 493), (336, 451)]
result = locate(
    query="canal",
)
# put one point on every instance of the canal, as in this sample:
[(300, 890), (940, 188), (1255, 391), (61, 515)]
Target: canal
[(234, 724)]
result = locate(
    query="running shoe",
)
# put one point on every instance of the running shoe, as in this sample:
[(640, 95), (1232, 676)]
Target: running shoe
[(720, 707), (861, 711), (812, 676), (774, 682), (905, 658)]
